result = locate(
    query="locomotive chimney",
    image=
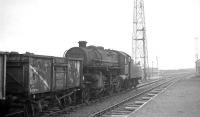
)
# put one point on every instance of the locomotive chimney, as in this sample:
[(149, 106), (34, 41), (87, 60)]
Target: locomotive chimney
[(82, 44)]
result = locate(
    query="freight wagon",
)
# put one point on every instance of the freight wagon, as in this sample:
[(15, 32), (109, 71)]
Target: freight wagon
[(34, 82)]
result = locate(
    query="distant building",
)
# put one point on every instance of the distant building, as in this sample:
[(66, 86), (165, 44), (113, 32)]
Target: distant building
[(198, 67)]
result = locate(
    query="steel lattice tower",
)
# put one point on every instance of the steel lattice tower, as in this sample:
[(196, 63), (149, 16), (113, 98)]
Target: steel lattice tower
[(139, 42)]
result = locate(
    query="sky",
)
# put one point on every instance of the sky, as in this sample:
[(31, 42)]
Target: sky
[(50, 27)]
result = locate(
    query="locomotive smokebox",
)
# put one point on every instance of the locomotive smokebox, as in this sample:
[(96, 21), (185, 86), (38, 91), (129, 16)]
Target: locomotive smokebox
[(82, 44)]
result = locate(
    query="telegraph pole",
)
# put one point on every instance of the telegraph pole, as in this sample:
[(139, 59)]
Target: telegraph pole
[(139, 42), (196, 48), (152, 70), (157, 66)]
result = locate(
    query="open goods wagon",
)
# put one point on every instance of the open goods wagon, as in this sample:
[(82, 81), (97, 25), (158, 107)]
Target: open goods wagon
[(34, 82)]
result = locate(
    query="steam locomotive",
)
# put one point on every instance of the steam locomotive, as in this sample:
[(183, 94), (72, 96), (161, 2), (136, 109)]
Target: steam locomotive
[(105, 70), (30, 84)]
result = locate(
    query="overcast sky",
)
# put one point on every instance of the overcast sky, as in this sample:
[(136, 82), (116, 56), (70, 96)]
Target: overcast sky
[(49, 27)]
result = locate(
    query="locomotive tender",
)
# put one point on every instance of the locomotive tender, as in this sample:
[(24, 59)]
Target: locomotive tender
[(30, 83)]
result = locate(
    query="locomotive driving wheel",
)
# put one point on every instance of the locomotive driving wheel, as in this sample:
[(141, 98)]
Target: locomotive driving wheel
[(117, 87), (110, 90), (135, 83)]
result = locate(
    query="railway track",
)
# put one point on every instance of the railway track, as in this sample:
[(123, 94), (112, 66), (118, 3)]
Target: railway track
[(55, 112), (132, 104), (66, 112)]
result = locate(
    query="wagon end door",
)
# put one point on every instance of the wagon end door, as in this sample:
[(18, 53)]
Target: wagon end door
[(74, 73), (2, 76)]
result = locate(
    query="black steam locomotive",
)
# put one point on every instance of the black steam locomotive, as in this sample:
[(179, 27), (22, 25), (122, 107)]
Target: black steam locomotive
[(30, 83), (104, 70)]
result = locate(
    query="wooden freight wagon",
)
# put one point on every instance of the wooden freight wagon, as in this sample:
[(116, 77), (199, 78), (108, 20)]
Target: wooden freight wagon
[(40, 80)]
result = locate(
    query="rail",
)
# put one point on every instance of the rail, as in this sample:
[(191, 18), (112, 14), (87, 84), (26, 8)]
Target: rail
[(102, 112)]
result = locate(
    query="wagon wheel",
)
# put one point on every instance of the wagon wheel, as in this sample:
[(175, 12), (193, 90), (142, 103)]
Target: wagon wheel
[(30, 109), (86, 95), (59, 102)]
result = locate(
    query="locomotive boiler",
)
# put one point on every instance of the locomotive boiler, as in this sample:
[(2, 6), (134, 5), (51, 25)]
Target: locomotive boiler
[(105, 70)]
